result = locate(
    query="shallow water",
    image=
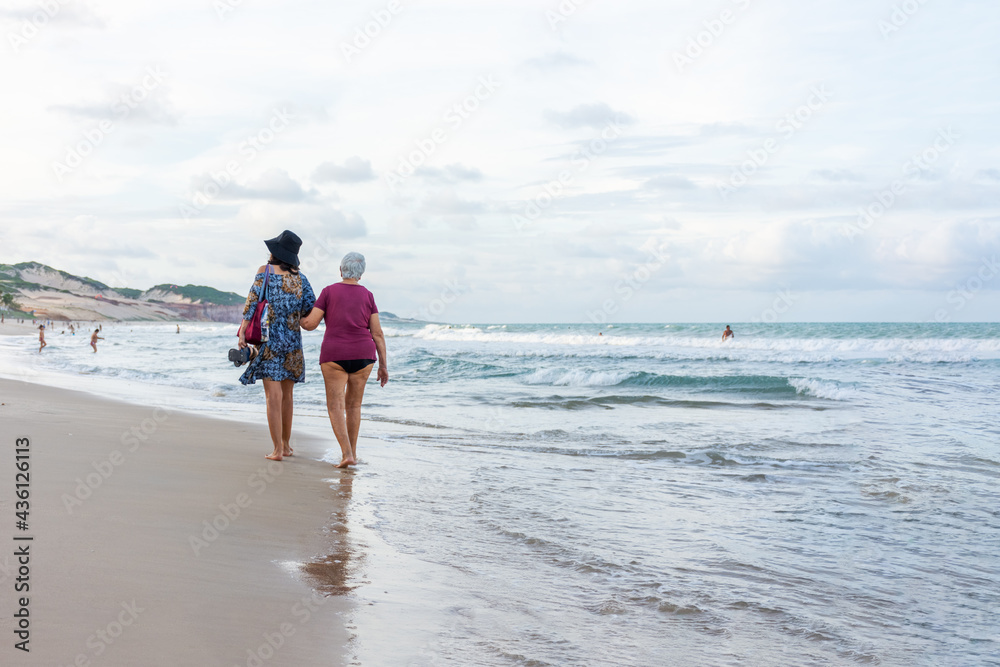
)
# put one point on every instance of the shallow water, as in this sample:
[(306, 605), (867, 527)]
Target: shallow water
[(540, 495)]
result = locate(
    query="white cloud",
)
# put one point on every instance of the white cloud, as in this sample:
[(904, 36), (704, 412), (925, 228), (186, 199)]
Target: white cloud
[(354, 170), (451, 173), (596, 115)]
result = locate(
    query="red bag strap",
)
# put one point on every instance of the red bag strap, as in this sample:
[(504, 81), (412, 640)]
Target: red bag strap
[(263, 292)]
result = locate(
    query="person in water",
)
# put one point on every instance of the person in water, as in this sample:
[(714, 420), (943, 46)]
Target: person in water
[(279, 363), (728, 333), (351, 342), (94, 338), (41, 337)]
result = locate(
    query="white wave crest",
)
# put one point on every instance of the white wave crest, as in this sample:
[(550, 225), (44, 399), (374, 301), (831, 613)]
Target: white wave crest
[(822, 389), (791, 350), (576, 378)]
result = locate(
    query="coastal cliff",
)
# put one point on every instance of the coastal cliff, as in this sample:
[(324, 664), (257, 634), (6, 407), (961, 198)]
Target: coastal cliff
[(57, 295)]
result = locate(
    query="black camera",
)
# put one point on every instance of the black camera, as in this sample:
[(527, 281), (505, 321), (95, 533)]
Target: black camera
[(240, 356)]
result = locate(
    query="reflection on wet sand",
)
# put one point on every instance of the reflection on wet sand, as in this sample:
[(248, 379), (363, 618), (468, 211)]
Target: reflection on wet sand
[(330, 572)]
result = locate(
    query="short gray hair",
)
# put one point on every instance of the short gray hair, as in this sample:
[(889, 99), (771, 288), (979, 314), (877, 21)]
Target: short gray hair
[(352, 266)]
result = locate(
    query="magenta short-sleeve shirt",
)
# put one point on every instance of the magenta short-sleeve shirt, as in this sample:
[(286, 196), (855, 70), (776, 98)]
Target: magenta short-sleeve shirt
[(347, 309)]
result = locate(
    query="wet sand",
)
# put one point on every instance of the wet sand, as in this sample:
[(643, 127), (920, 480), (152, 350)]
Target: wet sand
[(15, 328), (163, 538)]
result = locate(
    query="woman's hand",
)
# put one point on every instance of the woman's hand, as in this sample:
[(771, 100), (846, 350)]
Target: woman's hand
[(241, 335), (383, 375)]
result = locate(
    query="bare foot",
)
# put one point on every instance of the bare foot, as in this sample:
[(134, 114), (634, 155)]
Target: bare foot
[(273, 456), (288, 451), (345, 462)]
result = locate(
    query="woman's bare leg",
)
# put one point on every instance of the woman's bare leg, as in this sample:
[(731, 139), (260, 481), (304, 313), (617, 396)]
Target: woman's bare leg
[(355, 394), (273, 397), (287, 410), (335, 379)]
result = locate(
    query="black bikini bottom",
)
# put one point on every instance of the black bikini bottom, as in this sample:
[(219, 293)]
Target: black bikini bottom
[(354, 365)]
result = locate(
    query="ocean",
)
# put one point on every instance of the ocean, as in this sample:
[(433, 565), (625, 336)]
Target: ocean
[(805, 494)]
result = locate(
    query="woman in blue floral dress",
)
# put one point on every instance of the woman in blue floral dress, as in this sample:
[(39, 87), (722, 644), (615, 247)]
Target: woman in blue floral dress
[(279, 362)]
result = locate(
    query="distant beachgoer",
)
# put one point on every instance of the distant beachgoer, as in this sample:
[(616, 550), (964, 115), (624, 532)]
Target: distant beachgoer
[(352, 340), (279, 363), (94, 338), (178, 328), (72, 329), (728, 333), (41, 337)]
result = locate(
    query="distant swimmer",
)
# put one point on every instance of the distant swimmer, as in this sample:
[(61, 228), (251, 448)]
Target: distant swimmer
[(178, 328), (41, 337), (728, 333), (94, 338)]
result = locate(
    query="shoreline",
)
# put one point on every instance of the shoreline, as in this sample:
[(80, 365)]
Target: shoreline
[(9, 328), (177, 524)]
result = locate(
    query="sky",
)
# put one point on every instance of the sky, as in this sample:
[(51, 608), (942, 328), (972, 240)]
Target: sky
[(518, 161)]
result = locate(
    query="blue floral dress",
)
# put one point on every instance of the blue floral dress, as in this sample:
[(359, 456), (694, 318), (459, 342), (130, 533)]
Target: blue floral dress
[(289, 298)]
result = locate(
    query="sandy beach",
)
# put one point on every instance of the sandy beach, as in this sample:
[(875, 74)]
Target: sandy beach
[(161, 538), (15, 328)]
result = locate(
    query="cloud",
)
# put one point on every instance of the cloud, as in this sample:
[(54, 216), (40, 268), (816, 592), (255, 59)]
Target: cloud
[(273, 184), (557, 60), (723, 129), (68, 14), (152, 111), (446, 202), (669, 182), (354, 170), (595, 115), (452, 173), (837, 176), (988, 176), (343, 225)]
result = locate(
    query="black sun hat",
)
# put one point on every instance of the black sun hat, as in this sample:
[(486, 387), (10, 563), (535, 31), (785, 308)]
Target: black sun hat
[(285, 247)]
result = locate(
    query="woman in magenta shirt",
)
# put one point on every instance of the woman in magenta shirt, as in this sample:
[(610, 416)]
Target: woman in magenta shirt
[(352, 340)]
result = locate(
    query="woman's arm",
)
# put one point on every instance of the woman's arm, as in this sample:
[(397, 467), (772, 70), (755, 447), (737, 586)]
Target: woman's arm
[(312, 320), (383, 362)]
